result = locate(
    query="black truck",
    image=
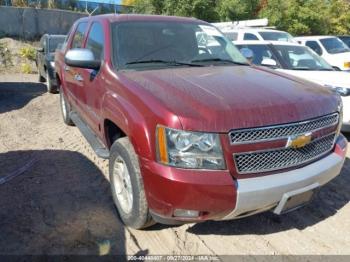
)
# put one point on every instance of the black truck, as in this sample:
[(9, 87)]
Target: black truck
[(45, 57)]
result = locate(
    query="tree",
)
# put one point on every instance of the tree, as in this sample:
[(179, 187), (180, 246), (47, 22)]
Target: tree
[(202, 9), (128, 2), (233, 10), (339, 22), (299, 17), (20, 3)]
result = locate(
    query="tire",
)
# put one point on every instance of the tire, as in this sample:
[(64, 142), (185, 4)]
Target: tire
[(40, 78), (65, 109), (50, 87), (125, 178)]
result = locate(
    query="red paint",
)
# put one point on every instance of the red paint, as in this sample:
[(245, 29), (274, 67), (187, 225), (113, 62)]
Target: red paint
[(213, 99)]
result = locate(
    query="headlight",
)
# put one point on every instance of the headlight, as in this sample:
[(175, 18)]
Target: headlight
[(343, 91), (189, 149), (340, 110), (52, 64)]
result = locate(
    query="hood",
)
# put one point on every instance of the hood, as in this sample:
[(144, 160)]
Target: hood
[(331, 78), (221, 98)]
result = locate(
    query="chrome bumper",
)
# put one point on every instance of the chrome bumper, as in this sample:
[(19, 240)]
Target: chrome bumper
[(255, 195)]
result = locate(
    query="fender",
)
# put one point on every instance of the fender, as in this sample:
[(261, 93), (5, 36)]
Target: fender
[(140, 129)]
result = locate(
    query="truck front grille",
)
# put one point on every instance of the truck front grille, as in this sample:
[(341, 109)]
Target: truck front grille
[(270, 160), (253, 135)]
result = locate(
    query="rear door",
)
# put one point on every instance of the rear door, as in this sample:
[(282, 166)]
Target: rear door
[(71, 74), (93, 82)]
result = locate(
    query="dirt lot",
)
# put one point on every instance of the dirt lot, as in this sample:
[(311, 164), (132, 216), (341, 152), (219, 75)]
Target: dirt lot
[(58, 200)]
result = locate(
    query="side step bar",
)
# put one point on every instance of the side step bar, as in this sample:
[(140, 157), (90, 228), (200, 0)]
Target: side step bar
[(100, 150)]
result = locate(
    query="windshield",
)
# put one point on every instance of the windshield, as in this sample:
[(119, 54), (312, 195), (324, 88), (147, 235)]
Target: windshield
[(260, 53), (54, 42), (276, 36), (346, 40), (157, 44), (301, 58), (334, 45)]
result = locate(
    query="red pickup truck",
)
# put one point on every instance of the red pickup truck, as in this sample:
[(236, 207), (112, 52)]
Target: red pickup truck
[(191, 130)]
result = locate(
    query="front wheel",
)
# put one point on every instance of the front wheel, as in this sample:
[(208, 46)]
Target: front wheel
[(50, 87), (65, 109), (127, 185)]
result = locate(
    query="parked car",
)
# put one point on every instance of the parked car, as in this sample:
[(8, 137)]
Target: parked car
[(300, 61), (331, 48), (253, 34), (345, 39), (45, 58), (193, 134)]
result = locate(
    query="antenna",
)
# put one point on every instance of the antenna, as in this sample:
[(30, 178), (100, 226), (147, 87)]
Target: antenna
[(87, 11)]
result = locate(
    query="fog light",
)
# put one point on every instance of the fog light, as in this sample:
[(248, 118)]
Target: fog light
[(186, 213)]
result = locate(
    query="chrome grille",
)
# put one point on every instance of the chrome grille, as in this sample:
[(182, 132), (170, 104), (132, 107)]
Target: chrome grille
[(263, 161), (282, 131)]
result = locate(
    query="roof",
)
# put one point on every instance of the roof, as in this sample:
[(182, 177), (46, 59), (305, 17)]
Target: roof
[(250, 30), (259, 42), (136, 17), (314, 37)]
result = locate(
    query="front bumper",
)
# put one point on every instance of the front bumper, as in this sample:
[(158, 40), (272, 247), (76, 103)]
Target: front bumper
[(218, 196), (263, 193)]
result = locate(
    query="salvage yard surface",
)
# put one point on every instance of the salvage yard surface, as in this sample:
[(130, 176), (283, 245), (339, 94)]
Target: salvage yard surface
[(55, 197)]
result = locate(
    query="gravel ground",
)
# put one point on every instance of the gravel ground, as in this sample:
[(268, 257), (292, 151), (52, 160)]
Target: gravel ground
[(55, 197)]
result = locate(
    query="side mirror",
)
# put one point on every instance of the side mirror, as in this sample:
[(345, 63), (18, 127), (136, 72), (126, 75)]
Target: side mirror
[(40, 49), (268, 62), (247, 53), (82, 58)]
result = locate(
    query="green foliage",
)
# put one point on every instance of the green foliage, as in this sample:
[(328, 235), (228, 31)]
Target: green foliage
[(233, 10), (5, 55), (26, 68), (28, 53), (20, 3), (299, 17)]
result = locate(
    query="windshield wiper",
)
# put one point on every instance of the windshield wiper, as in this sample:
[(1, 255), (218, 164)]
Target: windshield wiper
[(220, 60), (171, 63)]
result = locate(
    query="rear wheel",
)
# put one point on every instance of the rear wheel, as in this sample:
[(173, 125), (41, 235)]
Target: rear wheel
[(65, 109), (127, 185)]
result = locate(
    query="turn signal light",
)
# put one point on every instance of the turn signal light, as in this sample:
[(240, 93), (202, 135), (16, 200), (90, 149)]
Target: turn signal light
[(347, 64), (162, 145)]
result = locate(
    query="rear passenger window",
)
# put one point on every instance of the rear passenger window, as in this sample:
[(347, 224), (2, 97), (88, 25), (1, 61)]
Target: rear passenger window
[(79, 35), (249, 36), (95, 41)]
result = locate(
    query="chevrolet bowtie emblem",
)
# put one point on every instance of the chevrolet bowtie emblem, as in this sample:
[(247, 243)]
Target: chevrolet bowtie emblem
[(299, 141)]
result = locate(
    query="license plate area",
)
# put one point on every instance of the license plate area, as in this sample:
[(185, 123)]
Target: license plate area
[(296, 199)]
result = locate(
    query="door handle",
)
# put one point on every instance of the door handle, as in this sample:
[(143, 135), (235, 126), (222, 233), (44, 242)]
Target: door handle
[(78, 77), (66, 68)]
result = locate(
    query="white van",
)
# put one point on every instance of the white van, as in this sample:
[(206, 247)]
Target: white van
[(330, 48)]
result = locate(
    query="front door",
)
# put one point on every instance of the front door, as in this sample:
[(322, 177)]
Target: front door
[(93, 82), (73, 81)]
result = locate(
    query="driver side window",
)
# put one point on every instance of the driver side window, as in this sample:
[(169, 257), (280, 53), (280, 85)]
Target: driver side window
[(95, 41), (314, 46), (78, 37)]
